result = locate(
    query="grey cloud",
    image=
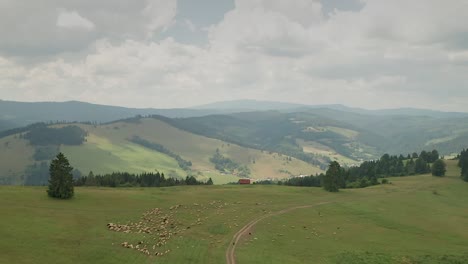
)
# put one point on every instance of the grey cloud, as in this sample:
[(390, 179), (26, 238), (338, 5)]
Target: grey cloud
[(30, 28), (370, 53)]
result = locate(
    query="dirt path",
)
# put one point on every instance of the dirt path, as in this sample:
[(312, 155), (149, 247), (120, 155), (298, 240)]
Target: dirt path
[(230, 258)]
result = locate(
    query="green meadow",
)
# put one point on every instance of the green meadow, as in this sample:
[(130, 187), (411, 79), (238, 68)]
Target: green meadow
[(417, 219), (107, 149)]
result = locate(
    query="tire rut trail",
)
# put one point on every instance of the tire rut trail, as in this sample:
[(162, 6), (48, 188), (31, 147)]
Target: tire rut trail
[(230, 252)]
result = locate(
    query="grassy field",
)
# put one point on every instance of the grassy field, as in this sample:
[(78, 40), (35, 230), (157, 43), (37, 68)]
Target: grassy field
[(15, 155), (109, 143), (103, 156), (420, 219)]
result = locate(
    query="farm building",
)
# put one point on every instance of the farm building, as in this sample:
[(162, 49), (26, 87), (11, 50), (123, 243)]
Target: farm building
[(244, 181)]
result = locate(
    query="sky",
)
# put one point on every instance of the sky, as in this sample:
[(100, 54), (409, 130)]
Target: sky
[(177, 53)]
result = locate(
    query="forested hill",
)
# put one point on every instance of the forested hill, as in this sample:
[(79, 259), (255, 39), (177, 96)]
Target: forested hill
[(328, 131), (268, 144), (18, 114)]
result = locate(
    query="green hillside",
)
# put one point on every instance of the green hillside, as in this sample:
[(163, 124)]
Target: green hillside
[(355, 135), (418, 219), (314, 134), (108, 148), (262, 144), (15, 155)]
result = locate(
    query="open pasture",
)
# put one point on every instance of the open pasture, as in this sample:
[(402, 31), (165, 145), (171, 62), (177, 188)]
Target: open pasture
[(420, 219)]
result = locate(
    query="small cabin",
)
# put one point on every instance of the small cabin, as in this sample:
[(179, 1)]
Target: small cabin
[(244, 181)]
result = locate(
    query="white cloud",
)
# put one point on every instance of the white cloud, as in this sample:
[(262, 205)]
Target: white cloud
[(459, 56), (190, 25), (73, 20), (160, 13), (387, 54)]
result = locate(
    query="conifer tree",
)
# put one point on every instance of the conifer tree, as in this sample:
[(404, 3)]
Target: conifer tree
[(331, 180), (61, 178)]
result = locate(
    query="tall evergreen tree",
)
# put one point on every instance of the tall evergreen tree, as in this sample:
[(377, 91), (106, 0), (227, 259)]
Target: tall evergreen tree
[(331, 180), (61, 178), (463, 164), (438, 168)]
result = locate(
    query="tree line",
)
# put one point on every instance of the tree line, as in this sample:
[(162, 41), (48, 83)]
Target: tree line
[(125, 179), (42, 135), (183, 164), (368, 173)]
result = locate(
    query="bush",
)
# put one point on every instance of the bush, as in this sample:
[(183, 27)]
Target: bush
[(438, 168)]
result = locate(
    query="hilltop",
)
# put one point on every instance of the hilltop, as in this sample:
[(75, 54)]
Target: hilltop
[(112, 147)]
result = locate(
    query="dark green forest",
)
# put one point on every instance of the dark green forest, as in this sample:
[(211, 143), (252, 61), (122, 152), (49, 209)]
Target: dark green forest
[(368, 173), (124, 179), (43, 135)]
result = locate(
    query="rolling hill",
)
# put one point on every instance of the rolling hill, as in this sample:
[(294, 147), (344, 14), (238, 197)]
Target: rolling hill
[(17, 114), (294, 140), (109, 148), (349, 134)]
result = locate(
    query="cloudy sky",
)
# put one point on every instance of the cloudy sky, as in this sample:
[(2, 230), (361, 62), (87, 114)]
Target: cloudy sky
[(177, 53)]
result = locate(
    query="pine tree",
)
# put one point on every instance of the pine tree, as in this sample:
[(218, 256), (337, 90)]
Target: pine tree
[(61, 178), (438, 168), (331, 180), (209, 182)]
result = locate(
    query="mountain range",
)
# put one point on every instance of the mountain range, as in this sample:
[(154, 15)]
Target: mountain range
[(224, 140)]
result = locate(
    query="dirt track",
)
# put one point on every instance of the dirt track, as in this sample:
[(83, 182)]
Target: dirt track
[(230, 252)]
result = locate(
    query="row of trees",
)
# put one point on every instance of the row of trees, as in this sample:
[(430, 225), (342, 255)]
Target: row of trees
[(368, 173), (61, 182), (183, 164), (125, 179)]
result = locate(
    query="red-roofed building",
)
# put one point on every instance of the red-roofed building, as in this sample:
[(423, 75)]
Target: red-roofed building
[(244, 181)]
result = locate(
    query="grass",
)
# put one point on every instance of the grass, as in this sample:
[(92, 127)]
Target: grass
[(112, 138), (402, 222), (102, 156), (15, 155), (107, 150), (351, 134), (317, 148)]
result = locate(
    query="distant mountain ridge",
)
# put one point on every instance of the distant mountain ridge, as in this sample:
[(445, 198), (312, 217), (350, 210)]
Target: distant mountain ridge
[(258, 105), (290, 138), (16, 114)]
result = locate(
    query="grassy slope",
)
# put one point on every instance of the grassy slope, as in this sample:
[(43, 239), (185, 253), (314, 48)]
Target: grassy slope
[(383, 224), (319, 149), (107, 149), (15, 155), (102, 155), (404, 222)]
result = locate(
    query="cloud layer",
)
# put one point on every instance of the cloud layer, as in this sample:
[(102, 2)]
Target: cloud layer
[(383, 54)]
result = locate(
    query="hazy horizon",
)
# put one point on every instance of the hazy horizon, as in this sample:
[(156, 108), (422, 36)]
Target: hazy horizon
[(370, 54)]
